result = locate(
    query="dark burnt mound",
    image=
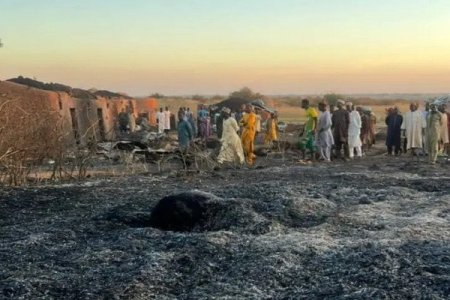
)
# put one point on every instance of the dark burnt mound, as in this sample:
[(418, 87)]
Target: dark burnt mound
[(182, 212)]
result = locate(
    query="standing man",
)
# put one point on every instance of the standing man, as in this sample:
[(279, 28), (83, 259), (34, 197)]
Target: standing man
[(324, 135), (365, 128), (309, 132), (167, 120), (161, 118), (413, 127), (433, 129), (424, 140), (248, 123), (372, 127), (354, 131), (394, 124), (203, 121), (340, 123), (444, 141)]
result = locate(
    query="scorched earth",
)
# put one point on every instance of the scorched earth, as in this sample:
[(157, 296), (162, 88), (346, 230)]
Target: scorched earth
[(374, 229)]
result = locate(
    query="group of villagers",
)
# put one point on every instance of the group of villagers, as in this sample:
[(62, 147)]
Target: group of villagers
[(335, 132), (424, 133), (237, 133), (238, 137)]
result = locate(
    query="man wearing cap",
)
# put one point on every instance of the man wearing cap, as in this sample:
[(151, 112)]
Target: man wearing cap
[(231, 150), (248, 123), (413, 128), (444, 140), (307, 140), (340, 123), (393, 139), (324, 135), (354, 131), (433, 130)]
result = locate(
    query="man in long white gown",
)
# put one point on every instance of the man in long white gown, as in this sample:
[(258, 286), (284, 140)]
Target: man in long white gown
[(413, 127), (354, 132), (167, 115), (444, 134), (161, 117), (231, 150), (324, 135)]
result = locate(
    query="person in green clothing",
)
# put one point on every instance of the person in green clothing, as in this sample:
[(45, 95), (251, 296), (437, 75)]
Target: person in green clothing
[(432, 131), (307, 139), (185, 133)]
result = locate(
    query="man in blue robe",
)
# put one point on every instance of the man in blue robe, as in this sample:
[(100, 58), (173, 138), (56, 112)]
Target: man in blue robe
[(393, 140)]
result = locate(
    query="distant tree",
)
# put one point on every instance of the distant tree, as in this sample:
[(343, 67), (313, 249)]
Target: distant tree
[(157, 96), (217, 98), (332, 98), (198, 97), (246, 93), (1, 44)]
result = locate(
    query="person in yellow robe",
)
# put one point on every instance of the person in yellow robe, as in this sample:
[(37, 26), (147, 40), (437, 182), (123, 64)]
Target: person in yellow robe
[(248, 123), (271, 129)]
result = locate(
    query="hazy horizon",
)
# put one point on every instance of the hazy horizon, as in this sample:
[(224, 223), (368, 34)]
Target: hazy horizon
[(215, 47)]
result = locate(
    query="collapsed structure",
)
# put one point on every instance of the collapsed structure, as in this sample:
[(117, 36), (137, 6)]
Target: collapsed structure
[(81, 115)]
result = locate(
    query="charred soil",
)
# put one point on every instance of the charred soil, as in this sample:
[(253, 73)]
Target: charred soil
[(375, 228)]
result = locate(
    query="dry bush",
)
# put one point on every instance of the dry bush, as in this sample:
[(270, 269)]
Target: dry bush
[(29, 134)]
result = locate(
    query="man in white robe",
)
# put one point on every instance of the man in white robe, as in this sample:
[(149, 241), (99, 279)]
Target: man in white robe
[(324, 134), (413, 128), (160, 116), (167, 120), (231, 150), (444, 134), (354, 132)]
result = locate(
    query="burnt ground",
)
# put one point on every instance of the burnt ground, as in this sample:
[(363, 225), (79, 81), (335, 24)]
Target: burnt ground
[(371, 229)]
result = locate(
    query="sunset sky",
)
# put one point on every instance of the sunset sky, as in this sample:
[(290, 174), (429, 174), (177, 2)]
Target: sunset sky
[(217, 46)]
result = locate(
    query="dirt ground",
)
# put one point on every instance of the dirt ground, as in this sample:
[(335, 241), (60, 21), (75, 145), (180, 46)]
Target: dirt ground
[(376, 228)]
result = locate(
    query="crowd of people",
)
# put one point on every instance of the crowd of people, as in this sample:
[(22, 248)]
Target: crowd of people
[(344, 131)]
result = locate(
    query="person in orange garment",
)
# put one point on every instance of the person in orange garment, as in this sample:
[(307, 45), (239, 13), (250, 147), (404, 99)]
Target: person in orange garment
[(248, 123), (271, 130)]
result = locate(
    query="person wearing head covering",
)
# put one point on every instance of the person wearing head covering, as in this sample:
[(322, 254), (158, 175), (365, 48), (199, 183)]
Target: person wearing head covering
[(365, 128), (191, 120), (185, 134), (204, 122), (433, 132), (354, 131), (307, 140), (324, 135), (340, 123), (413, 128), (231, 150), (444, 140), (394, 124), (271, 129), (424, 138), (248, 123)]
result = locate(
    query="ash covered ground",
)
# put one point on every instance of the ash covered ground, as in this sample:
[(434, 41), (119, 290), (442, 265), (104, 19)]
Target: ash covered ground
[(376, 228)]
